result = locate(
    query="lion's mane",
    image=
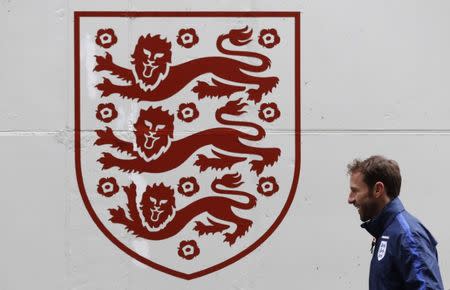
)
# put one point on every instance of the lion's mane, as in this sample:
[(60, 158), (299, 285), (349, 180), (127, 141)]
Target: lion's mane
[(157, 47), (159, 193), (158, 118)]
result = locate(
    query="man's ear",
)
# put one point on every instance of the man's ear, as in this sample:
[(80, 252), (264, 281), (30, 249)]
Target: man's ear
[(379, 189)]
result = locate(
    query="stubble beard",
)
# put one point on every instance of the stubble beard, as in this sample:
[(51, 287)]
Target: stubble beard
[(369, 209)]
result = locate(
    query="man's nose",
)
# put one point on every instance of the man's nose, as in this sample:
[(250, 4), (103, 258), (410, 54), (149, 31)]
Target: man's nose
[(351, 198)]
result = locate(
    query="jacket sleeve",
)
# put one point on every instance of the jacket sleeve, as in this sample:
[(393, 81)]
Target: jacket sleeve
[(418, 263)]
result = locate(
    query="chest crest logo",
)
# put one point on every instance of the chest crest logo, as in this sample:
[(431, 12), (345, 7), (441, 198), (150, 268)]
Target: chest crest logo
[(382, 250)]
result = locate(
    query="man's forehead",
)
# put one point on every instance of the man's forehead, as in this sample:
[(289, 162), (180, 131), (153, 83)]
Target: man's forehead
[(356, 179)]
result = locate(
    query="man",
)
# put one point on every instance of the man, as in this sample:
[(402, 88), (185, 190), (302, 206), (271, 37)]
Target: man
[(405, 255)]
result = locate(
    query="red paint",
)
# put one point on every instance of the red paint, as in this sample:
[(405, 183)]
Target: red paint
[(187, 37), (219, 206), (106, 112), (188, 250), (188, 186), (217, 89), (227, 136), (165, 155), (268, 186), (269, 112), (107, 186), (268, 38), (106, 38), (155, 79), (187, 112)]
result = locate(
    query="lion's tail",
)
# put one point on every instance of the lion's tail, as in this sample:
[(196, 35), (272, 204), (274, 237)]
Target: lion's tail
[(233, 181), (235, 108), (240, 37)]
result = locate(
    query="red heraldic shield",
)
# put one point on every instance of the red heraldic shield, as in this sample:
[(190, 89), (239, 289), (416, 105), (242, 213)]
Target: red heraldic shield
[(187, 129)]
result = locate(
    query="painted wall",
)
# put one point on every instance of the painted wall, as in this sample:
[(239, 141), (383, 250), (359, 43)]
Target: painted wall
[(375, 79)]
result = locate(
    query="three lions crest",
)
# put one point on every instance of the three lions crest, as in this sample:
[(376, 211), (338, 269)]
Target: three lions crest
[(190, 135)]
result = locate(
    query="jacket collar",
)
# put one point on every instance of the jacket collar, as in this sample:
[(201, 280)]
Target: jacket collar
[(378, 224)]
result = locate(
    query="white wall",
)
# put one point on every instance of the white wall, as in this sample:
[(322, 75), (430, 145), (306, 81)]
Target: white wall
[(375, 79)]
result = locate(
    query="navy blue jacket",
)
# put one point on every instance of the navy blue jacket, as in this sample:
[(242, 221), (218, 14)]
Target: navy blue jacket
[(405, 256)]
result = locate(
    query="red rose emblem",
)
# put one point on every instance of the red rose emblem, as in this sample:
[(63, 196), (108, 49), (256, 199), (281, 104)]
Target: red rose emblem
[(188, 249), (267, 186), (187, 37), (268, 38), (107, 186), (106, 112), (188, 186), (187, 112), (106, 38), (269, 112)]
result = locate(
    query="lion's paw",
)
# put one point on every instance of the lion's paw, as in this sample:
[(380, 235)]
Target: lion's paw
[(104, 136), (117, 215), (257, 166), (107, 160), (243, 228), (254, 95), (230, 238), (103, 62), (270, 157), (269, 84), (266, 86), (106, 87), (201, 228)]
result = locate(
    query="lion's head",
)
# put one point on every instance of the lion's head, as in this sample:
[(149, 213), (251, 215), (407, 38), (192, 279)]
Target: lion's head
[(151, 59), (158, 206), (153, 133)]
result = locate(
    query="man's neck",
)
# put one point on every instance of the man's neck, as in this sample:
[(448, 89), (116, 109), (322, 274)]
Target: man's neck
[(382, 203)]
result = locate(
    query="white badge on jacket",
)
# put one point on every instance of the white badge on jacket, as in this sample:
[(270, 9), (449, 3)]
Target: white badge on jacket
[(382, 250)]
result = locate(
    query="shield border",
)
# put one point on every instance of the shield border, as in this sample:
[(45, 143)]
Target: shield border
[(77, 18)]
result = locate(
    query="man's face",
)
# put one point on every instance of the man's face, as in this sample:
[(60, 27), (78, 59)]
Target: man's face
[(361, 197)]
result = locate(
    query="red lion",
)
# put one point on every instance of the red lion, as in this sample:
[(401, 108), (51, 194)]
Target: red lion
[(162, 221), (153, 78), (154, 151)]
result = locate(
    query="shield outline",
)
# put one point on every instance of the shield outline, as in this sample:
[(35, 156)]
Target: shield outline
[(288, 14)]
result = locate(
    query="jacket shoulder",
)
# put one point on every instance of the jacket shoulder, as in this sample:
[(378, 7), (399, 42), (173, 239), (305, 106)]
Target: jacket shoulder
[(405, 227)]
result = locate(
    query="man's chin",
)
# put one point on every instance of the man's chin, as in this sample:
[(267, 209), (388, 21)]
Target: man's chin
[(363, 217)]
